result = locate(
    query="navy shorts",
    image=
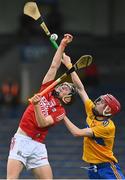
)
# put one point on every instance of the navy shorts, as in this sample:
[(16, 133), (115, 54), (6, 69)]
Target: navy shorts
[(105, 171)]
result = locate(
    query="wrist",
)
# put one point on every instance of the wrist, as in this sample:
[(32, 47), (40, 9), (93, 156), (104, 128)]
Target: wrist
[(69, 65), (36, 104)]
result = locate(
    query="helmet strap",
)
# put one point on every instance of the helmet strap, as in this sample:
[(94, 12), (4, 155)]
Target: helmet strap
[(105, 113), (66, 99)]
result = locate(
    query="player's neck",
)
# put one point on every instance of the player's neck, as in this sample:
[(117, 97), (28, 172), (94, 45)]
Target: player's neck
[(100, 118)]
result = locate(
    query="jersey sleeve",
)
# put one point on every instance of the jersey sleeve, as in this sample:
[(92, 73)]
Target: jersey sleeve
[(88, 107), (104, 130), (58, 114)]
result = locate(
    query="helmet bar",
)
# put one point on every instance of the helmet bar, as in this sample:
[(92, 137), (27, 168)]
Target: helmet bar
[(71, 86)]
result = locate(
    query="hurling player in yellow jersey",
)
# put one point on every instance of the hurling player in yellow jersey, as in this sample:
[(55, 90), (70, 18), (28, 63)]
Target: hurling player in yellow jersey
[(100, 131)]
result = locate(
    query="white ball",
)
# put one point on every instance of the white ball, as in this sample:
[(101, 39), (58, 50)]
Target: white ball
[(54, 37)]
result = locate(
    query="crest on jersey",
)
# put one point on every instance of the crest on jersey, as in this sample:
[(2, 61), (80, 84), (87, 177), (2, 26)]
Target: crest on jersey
[(105, 123)]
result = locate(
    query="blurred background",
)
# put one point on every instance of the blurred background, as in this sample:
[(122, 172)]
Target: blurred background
[(25, 56)]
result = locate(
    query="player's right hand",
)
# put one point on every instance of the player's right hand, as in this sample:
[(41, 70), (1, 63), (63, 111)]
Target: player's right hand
[(35, 99), (66, 39)]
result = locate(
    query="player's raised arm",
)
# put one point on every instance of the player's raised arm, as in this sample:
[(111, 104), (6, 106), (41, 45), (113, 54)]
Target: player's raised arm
[(75, 78), (57, 59), (40, 118)]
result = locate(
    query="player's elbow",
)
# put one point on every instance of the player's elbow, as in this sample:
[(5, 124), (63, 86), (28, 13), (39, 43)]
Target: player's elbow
[(42, 125), (45, 122), (87, 132), (76, 135)]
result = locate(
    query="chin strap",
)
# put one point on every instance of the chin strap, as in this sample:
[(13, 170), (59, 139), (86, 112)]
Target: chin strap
[(67, 98), (106, 113)]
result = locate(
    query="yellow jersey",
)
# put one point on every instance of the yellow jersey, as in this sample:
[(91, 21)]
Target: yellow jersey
[(98, 149)]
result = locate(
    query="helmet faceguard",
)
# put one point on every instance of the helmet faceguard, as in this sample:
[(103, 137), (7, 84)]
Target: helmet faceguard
[(111, 102), (67, 98), (71, 87)]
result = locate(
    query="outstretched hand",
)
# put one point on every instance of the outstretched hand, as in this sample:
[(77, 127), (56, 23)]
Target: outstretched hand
[(66, 60)]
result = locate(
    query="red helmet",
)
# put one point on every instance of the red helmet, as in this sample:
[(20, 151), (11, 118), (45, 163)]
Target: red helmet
[(112, 102)]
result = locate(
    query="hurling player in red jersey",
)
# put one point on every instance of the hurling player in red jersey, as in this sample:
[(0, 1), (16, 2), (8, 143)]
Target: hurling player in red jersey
[(27, 146)]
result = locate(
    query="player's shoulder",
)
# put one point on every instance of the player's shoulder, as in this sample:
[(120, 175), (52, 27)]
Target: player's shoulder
[(89, 101)]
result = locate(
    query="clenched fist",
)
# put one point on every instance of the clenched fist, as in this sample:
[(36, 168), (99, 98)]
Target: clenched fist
[(67, 39)]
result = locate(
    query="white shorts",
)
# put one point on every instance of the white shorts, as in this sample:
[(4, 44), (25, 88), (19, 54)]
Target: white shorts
[(31, 153)]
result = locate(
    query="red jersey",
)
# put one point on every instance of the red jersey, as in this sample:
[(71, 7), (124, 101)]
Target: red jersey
[(49, 106)]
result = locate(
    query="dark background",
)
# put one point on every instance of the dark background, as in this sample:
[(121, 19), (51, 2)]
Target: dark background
[(25, 55)]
